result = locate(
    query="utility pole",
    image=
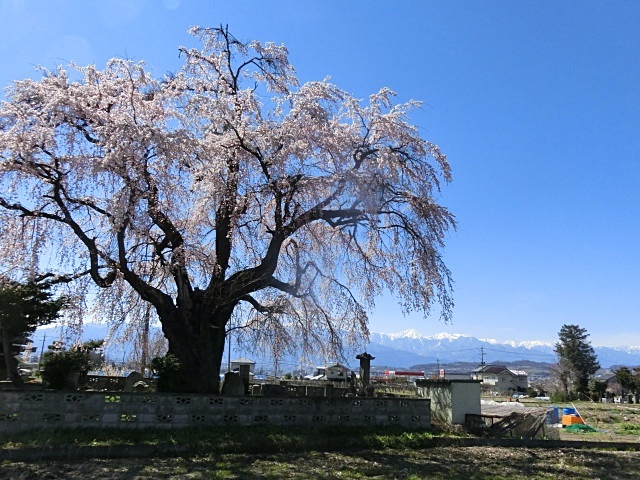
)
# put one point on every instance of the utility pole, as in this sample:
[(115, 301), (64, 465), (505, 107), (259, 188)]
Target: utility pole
[(44, 338), (482, 366), (229, 351)]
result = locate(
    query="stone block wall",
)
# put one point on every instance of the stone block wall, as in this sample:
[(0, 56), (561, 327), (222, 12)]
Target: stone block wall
[(21, 411)]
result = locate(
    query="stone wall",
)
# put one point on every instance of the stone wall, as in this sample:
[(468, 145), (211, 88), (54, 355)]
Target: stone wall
[(21, 411)]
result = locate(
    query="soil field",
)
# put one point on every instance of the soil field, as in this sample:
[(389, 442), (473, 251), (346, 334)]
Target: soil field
[(431, 463), (612, 422), (325, 459)]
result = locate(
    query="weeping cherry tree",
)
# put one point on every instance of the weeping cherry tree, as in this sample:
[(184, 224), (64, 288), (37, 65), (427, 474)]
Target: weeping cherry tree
[(225, 195)]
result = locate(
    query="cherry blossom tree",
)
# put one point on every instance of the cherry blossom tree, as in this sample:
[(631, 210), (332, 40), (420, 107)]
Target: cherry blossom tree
[(226, 196)]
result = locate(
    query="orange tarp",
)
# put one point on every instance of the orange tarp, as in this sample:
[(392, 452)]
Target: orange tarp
[(571, 420)]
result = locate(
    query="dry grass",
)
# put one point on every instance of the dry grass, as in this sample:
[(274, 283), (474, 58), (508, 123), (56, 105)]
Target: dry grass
[(435, 463), (613, 422), (390, 457)]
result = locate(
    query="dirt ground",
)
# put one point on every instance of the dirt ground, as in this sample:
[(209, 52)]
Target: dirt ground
[(433, 463), (614, 424)]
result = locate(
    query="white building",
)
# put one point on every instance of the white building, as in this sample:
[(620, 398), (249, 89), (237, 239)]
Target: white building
[(451, 400), (501, 380), (235, 364)]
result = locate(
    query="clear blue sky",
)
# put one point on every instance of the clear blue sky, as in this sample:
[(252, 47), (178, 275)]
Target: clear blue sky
[(537, 105)]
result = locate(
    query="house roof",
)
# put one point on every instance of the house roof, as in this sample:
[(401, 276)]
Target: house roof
[(457, 376), (497, 369), (492, 369), (243, 360), (337, 365)]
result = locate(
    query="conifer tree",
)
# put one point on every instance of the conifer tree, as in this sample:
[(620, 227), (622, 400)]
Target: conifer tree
[(577, 356), (23, 308)]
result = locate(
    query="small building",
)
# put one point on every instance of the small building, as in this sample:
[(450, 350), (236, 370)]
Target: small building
[(451, 400), (499, 379), (335, 372), (235, 364)]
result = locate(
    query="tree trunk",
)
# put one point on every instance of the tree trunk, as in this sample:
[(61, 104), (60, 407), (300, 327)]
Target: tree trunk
[(198, 344), (145, 344), (10, 362)]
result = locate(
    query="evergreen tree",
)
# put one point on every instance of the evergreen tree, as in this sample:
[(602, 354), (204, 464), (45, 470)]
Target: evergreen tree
[(629, 380), (23, 308), (577, 356)]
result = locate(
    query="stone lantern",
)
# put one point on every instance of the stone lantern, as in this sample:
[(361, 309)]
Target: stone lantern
[(365, 368)]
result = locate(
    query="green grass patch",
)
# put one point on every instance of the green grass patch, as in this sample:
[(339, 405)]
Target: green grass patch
[(628, 429), (263, 439)]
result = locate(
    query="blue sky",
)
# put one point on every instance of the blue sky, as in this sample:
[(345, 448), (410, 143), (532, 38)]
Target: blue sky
[(536, 105)]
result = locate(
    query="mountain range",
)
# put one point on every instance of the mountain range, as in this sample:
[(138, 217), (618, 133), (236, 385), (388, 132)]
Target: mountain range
[(407, 349)]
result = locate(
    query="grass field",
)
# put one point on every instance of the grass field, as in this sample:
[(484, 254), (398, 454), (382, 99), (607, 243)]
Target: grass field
[(411, 464), (613, 422), (276, 453)]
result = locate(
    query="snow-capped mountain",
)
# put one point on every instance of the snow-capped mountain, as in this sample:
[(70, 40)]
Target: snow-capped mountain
[(408, 348), (450, 348)]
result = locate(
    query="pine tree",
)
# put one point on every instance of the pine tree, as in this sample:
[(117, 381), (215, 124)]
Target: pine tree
[(628, 379), (23, 307), (577, 356)]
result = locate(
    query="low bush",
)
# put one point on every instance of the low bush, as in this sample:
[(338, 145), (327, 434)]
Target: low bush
[(169, 373), (561, 397), (61, 368)]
